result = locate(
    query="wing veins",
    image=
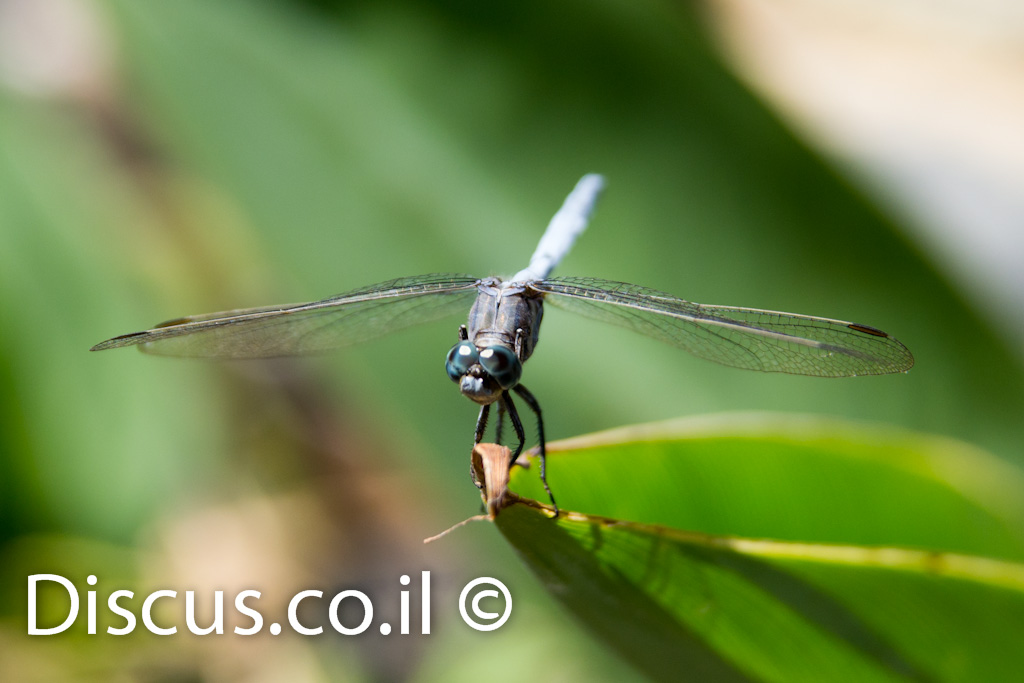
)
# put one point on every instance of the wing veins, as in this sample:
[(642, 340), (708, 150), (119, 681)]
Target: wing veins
[(769, 340), (211, 335)]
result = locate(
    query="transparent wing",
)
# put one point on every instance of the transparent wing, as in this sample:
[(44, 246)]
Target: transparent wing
[(740, 337), (271, 331)]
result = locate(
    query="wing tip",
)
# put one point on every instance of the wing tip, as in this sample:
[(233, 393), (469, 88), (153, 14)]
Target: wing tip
[(903, 363), (119, 341)]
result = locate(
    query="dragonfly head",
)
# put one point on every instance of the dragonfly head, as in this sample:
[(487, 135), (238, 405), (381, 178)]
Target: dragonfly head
[(482, 374)]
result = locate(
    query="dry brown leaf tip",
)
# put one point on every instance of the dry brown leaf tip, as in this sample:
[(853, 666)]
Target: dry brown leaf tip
[(490, 463), (490, 470)]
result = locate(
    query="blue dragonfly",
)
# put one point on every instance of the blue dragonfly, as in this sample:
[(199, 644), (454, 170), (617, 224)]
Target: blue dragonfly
[(504, 324)]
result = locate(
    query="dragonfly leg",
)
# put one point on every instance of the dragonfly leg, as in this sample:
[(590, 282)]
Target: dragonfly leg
[(518, 425), (499, 423), (542, 443), (463, 333), (481, 426)]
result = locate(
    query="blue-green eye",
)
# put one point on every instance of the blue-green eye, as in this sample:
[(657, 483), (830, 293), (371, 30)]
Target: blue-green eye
[(460, 358), (501, 364)]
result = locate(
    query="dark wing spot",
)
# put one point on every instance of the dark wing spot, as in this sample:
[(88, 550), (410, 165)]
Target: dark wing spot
[(867, 330), (132, 335)]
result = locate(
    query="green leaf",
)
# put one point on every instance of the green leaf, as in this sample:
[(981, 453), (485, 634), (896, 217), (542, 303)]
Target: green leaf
[(860, 583)]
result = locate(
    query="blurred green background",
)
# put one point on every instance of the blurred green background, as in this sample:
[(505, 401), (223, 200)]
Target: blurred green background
[(167, 158)]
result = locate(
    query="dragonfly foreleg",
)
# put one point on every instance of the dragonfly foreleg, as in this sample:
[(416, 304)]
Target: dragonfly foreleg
[(542, 443), (481, 426), (517, 425), (499, 423)]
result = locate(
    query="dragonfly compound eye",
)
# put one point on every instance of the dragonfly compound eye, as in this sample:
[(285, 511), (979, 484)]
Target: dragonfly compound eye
[(462, 356), (501, 364)]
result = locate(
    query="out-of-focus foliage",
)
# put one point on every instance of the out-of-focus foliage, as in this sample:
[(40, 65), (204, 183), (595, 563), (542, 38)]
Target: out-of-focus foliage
[(244, 153)]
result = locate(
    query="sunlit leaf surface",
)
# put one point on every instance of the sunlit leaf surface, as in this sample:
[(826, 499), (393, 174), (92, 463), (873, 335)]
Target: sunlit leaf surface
[(793, 592)]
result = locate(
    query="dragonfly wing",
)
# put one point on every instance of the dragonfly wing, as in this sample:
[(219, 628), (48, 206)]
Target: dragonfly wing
[(272, 331), (740, 337)]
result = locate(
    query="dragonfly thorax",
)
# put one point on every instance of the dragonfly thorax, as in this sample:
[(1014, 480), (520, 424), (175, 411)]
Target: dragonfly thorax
[(506, 314)]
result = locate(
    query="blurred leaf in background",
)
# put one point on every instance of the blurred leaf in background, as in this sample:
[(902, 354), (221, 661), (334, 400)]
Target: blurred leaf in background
[(161, 159)]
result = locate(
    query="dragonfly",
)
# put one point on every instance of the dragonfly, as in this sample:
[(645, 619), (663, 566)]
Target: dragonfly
[(504, 324)]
